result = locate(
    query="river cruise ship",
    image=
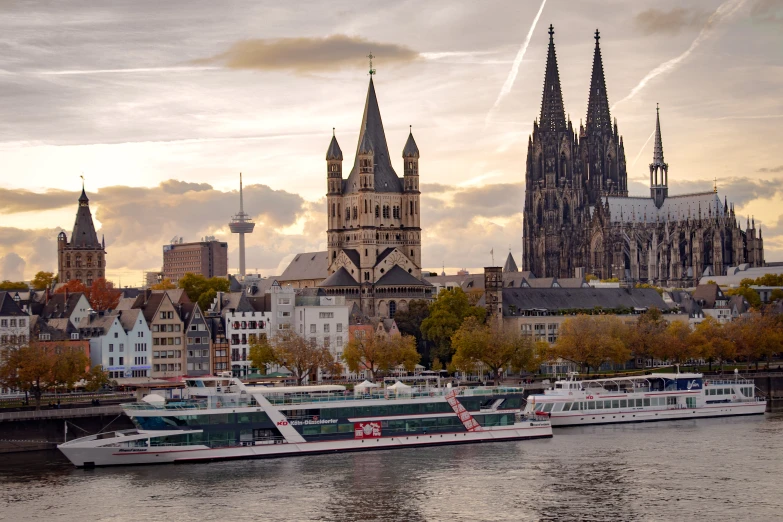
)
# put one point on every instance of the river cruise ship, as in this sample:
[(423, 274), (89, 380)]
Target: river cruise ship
[(223, 418), (652, 397)]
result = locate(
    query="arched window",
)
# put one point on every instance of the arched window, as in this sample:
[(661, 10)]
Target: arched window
[(377, 211), (392, 309), (347, 213), (355, 213), (333, 209), (411, 208), (365, 206)]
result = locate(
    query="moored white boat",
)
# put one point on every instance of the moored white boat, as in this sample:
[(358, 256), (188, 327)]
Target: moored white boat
[(222, 418), (651, 397)]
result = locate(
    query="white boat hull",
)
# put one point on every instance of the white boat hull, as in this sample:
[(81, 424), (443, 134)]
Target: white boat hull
[(562, 419), (113, 456)]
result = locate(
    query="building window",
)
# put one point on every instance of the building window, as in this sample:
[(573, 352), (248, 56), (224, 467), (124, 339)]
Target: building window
[(339, 327), (326, 328), (325, 315), (392, 308), (312, 328), (111, 347)]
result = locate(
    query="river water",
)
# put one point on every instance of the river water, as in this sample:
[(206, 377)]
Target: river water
[(713, 469)]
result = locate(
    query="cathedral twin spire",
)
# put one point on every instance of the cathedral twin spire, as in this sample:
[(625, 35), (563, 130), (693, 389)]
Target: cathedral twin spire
[(598, 119), (552, 110)]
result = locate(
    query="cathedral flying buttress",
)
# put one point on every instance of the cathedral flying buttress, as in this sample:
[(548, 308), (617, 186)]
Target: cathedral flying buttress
[(580, 220)]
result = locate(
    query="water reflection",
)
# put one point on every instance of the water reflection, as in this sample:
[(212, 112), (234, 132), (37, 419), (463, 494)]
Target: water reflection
[(724, 469)]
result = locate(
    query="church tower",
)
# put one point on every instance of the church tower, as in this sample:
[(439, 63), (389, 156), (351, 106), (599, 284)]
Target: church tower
[(374, 226), (659, 170), (602, 152), (84, 257), (554, 195)]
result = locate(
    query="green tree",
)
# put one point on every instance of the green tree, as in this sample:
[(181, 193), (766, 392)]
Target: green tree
[(409, 320), (446, 315), (13, 285), (203, 290), (492, 346), (748, 293), (261, 353), (380, 353), (96, 378), (43, 280), (775, 295)]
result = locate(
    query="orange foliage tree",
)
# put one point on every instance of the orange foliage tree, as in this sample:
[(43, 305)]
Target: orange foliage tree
[(103, 295)]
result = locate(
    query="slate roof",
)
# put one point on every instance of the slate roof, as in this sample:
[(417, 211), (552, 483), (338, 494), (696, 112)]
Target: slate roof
[(58, 329), (83, 235), (382, 255), (706, 295), (8, 307), (307, 265), (261, 303), (177, 295), (340, 278), (61, 305), (128, 318), (511, 265), (410, 150), (354, 256), (398, 276), (554, 299), (148, 303), (372, 136), (334, 152), (357, 317)]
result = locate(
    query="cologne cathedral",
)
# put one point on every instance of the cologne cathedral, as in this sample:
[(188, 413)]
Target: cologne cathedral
[(580, 220)]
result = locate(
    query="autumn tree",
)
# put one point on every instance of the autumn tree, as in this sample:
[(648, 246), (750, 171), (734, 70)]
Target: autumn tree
[(72, 286), (492, 346), (103, 295), (69, 365), (165, 284), (589, 341), (43, 280), (29, 369), (447, 312), (203, 290), (711, 343), (13, 285), (290, 350), (677, 344), (646, 335), (757, 337), (380, 353)]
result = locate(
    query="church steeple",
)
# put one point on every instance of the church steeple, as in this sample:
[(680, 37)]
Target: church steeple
[(552, 110), (659, 169), (372, 139), (598, 118)]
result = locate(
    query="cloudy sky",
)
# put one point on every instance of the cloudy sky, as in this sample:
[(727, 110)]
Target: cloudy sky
[(161, 104)]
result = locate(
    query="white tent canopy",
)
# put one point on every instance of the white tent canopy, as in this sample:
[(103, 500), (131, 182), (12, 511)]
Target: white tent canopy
[(400, 388), (365, 386)]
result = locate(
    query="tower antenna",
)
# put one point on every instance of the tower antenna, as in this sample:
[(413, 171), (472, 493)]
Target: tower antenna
[(370, 56)]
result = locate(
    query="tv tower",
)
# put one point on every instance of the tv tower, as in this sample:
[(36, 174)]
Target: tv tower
[(241, 224)]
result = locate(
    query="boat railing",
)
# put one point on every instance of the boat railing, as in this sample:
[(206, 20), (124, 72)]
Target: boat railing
[(214, 402), (711, 382), (307, 398)]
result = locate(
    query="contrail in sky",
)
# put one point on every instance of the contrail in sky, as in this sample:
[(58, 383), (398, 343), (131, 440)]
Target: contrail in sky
[(642, 149), (725, 10), (512, 75)]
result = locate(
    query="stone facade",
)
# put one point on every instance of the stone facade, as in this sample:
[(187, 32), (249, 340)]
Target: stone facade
[(579, 219), (374, 222), (83, 257)]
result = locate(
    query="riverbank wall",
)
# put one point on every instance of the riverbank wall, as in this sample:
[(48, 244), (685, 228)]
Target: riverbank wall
[(43, 430)]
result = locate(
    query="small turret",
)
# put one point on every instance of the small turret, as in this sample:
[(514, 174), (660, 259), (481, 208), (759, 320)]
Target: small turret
[(334, 166), (659, 169), (410, 155)]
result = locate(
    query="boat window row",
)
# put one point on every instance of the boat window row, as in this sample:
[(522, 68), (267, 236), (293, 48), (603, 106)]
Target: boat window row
[(607, 404), (728, 391), (167, 422), (384, 410), (407, 426)]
